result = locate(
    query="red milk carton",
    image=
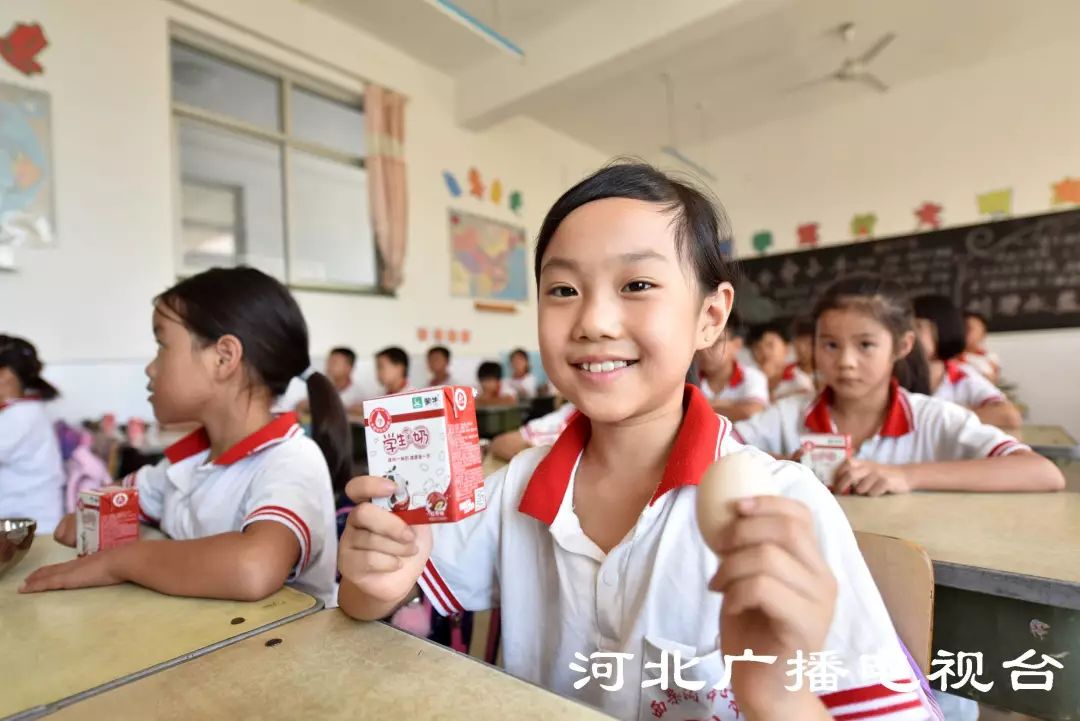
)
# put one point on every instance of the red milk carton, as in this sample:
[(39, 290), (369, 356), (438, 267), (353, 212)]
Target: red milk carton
[(106, 518), (823, 453), (427, 443)]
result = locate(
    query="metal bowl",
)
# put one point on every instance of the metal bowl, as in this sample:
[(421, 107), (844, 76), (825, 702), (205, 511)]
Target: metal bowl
[(16, 537)]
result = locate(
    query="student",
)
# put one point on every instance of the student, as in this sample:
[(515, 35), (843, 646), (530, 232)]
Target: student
[(542, 431), (734, 390), (875, 376), (940, 329), (770, 348), (489, 376), (802, 338), (31, 468), (522, 382), (438, 362), (247, 500), (975, 353), (392, 370), (592, 544), (339, 369)]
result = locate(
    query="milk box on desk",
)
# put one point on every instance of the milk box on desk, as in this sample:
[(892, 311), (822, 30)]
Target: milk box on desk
[(823, 453), (426, 442), (106, 518)]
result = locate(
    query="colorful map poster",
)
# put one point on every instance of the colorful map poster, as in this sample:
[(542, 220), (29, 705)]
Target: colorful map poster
[(488, 259), (26, 179)]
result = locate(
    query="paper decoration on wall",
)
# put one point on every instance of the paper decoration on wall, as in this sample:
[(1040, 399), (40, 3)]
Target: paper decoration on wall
[(20, 48), (476, 184), (516, 202), (928, 215), (452, 185), (466, 336), (496, 192), (862, 226), (996, 203), (438, 335), (808, 235), (1065, 191), (26, 178), (451, 336), (762, 241), (488, 259), (422, 334)]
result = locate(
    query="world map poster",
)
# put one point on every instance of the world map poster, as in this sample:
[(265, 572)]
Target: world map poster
[(488, 259), (26, 181)]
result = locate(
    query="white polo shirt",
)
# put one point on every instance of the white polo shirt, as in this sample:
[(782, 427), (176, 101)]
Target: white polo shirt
[(275, 474), (562, 596), (985, 362), (351, 395), (794, 382), (746, 384), (964, 385), (917, 429), (524, 387), (545, 430), (31, 469)]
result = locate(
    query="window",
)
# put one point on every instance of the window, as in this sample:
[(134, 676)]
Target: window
[(271, 172)]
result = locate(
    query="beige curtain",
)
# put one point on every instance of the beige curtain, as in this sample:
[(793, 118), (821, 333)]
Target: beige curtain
[(385, 111)]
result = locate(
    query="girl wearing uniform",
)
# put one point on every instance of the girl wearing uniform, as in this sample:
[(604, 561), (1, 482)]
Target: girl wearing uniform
[(734, 390), (247, 500), (591, 546), (522, 381), (770, 346), (939, 326), (31, 468)]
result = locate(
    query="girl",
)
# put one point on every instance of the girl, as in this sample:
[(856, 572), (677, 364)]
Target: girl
[(939, 327), (489, 377), (247, 499), (975, 353), (522, 382), (734, 390), (591, 548), (770, 346), (875, 379), (31, 468)]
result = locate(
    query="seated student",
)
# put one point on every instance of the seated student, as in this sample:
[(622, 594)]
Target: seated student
[(438, 362), (975, 353), (489, 375), (522, 382), (769, 344), (592, 545), (733, 390), (392, 370), (339, 369), (31, 468), (247, 500), (939, 326), (875, 379), (542, 431), (802, 339)]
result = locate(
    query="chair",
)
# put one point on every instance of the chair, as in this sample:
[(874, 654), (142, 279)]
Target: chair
[(905, 577)]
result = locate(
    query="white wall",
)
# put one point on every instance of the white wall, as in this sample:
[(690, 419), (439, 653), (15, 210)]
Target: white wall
[(86, 303), (1011, 122)]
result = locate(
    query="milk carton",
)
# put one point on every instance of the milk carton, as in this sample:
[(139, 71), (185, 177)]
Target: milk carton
[(823, 453), (106, 518)]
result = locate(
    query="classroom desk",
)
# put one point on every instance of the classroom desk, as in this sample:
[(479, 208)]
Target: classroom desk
[(1050, 441), (58, 647), (327, 666), (1004, 565)]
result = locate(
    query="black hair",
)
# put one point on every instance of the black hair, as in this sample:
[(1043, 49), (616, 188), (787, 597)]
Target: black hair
[(524, 354), (396, 356), (21, 357), (948, 323), (261, 313), (803, 325), (759, 331), (886, 302), (490, 370), (701, 225), (976, 314), (347, 353), (440, 349)]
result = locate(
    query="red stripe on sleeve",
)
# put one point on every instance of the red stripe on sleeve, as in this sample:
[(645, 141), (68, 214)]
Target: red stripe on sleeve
[(862, 694), (882, 712), (443, 588), (291, 516)]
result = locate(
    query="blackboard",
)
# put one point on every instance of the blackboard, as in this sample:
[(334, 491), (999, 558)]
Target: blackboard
[(1021, 273)]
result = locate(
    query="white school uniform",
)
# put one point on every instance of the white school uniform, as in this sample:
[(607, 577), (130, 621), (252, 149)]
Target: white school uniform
[(563, 599), (276, 474), (546, 429), (964, 385), (31, 468), (525, 387), (351, 395), (917, 429), (794, 382), (746, 384), (985, 362)]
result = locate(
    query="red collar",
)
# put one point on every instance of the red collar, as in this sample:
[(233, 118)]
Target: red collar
[(197, 441), (737, 375), (899, 420), (789, 372), (695, 448), (954, 371), (24, 399)]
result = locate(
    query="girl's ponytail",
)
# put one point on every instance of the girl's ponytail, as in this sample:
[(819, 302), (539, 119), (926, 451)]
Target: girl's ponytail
[(21, 357), (330, 428)]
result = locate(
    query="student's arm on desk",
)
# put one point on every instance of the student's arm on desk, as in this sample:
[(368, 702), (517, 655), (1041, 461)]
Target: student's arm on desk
[(1019, 471), (738, 410), (509, 444), (1002, 414)]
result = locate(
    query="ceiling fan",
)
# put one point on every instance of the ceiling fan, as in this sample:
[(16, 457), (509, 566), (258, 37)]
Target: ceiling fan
[(855, 69)]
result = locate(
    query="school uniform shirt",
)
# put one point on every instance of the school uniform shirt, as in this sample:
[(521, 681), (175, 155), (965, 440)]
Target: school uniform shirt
[(563, 599), (351, 395), (524, 387), (985, 362), (746, 384), (546, 429), (964, 385), (31, 468), (276, 474), (917, 429), (794, 382)]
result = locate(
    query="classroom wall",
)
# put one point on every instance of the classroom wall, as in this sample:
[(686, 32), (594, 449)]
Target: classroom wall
[(86, 302), (1009, 122)]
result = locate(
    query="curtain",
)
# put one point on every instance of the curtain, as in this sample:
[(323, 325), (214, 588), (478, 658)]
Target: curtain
[(385, 115)]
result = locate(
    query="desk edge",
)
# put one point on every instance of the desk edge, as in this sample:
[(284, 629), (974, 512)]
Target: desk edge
[(1033, 589)]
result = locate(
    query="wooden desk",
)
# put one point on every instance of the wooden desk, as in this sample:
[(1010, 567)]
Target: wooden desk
[(327, 666), (1003, 563), (1050, 441), (61, 646)]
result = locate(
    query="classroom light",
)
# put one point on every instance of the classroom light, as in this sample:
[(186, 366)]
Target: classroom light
[(458, 14)]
